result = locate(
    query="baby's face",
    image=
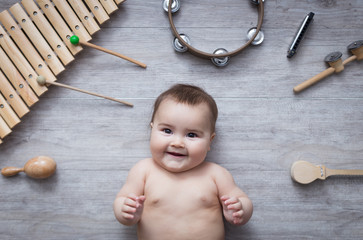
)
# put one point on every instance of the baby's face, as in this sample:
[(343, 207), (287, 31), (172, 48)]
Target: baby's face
[(181, 135)]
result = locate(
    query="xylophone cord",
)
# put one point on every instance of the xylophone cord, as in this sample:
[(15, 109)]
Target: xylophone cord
[(75, 40), (42, 81)]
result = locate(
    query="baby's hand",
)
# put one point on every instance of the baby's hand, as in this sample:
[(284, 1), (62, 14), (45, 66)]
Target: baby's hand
[(132, 207), (232, 209)]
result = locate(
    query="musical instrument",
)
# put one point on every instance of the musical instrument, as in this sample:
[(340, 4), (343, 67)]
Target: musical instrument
[(336, 64), (34, 40), (305, 172), (38, 168), (299, 36), (220, 57)]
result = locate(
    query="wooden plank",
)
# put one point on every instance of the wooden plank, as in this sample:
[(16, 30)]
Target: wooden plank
[(109, 6), (17, 80), (59, 24), (72, 20), (47, 31), (21, 62), (4, 128), (85, 16), (25, 46), (97, 10), (7, 113), (12, 97), (37, 39), (119, 1)]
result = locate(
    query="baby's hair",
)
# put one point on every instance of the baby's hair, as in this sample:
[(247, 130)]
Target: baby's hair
[(191, 95)]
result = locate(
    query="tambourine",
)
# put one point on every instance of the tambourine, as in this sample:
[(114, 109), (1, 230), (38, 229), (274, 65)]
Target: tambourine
[(220, 57)]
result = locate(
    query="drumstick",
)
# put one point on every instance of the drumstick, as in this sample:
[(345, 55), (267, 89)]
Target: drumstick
[(42, 81), (75, 40), (305, 172)]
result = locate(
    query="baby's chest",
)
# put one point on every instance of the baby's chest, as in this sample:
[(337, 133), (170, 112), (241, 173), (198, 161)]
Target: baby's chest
[(179, 193)]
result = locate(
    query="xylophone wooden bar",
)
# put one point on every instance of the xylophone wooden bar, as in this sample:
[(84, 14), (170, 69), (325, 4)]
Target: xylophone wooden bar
[(20, 61), (25, 46), (98, 11), (4, 129), (7, 113), (12, 97), (59, 25), (85, 16), (48, 32), (110, 6), (34, 40), (72, 20), (17, 80)]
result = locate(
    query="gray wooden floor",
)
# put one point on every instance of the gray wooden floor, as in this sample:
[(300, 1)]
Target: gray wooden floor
[(263, 126)]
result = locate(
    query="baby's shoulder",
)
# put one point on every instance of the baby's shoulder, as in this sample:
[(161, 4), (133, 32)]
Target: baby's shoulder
[(216, 169), (142, 165)]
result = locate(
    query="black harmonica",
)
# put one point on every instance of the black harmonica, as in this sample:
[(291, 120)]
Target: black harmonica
[(300, 34)]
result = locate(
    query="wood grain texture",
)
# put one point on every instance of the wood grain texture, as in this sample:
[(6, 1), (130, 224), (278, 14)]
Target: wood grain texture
[(262, 129)]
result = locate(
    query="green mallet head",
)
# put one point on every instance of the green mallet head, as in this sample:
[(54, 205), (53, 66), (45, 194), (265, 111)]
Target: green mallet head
[(74, 40)]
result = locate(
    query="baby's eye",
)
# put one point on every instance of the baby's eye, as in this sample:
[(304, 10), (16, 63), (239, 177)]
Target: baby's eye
[(167, 131), (192, 135)]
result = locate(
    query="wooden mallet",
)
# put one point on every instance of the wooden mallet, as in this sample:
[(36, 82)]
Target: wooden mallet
[(75, 41), (42, 81), (305, 172), (336, 64), (38, 167)]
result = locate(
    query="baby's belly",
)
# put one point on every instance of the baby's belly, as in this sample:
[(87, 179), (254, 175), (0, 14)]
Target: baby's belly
[(175, 224)]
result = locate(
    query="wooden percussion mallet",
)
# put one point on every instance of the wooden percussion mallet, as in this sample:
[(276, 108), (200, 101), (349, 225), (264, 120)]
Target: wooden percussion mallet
[(38, 167), (305, 172), (336, 64), (75, 40), (42, 81)]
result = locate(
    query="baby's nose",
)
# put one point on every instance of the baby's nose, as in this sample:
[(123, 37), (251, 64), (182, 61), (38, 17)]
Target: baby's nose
[(178, 142)]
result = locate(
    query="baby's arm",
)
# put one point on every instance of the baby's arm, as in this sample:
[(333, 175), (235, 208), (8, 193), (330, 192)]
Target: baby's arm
[(129, 202), (237, 207)]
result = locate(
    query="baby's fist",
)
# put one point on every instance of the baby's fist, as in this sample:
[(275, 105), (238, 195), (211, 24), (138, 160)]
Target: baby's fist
[(133, 207), (232, 210)]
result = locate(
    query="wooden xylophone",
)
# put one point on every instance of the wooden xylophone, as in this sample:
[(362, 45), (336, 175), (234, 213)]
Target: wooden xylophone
[(34, 40)]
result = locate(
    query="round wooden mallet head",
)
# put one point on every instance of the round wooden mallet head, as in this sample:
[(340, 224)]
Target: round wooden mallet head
[(38, 168), (357, 49)]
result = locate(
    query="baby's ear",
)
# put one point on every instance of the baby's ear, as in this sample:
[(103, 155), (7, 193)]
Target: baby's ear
[(212, 136), (151, 124)]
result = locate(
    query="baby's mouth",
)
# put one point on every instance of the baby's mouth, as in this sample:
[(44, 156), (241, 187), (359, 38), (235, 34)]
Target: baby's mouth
[(175, 154)]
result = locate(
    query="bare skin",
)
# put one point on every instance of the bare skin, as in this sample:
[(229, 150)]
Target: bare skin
[(176, 194)]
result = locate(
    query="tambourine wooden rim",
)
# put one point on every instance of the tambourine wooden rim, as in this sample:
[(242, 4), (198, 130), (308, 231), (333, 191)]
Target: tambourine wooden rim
[(202, 54)]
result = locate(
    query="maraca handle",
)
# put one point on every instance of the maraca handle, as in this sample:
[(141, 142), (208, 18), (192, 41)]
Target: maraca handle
[(314, 79), (11, 171)]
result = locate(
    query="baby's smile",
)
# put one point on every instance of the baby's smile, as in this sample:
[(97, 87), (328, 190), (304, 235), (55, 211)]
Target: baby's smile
[(176, 154)]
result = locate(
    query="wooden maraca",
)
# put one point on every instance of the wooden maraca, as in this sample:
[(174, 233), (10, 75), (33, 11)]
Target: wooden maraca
[(38, 167), (305, 172)]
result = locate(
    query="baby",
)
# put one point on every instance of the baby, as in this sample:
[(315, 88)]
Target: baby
[(175, 194)]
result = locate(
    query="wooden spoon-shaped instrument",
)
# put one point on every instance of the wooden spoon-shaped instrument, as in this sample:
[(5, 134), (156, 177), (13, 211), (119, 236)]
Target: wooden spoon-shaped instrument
[(305, 172), (38, 167)]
